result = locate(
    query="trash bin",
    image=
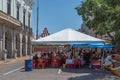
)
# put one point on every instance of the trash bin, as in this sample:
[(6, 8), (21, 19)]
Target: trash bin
[(28, 65)]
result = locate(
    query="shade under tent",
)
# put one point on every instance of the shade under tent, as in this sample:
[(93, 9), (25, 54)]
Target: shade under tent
[(94, 45)]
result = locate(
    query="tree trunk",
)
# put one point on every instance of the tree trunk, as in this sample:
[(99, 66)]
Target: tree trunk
[(118, 48)]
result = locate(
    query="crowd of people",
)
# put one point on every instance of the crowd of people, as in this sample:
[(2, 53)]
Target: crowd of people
[(84, 57)]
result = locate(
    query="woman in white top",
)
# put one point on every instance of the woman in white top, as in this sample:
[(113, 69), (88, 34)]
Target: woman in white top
[(108, 61)]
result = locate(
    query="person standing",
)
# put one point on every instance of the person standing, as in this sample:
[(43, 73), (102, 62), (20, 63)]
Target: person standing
[(35, 60)]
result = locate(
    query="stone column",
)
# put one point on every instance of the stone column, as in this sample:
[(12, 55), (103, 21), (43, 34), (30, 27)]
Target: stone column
[(20, 46), (1, 44), (26, 45), (0, 48), (3, 34), (14, 51), (0, 38), (4, 51)]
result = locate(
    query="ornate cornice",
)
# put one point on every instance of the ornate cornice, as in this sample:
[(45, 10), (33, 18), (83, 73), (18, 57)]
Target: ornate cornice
[(8, 18), (24, 8), (29, 3), (18, 3)]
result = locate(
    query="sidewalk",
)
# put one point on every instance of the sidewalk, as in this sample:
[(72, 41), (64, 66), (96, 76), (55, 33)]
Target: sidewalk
[(116, 70), (8, 61)]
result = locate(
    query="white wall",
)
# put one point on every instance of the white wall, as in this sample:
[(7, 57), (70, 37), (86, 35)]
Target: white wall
[(3, 7), (1, 1)]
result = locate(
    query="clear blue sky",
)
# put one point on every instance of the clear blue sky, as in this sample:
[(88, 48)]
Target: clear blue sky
[(56, 15)]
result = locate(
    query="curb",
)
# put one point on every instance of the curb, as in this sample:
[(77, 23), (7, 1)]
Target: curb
[(2, 62), (115, 72), (13, 60)]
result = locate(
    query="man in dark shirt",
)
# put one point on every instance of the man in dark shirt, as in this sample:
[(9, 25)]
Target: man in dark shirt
[(35, 60)]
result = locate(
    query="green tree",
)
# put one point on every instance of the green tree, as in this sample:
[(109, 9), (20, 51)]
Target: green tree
[(103, 16)]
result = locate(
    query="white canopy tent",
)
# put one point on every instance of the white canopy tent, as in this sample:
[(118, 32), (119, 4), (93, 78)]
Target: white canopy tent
[(67, 36)]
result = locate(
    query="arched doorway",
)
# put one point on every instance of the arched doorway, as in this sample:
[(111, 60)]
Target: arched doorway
[(8, 44), (29, 46), (18, 45), (23, 46)]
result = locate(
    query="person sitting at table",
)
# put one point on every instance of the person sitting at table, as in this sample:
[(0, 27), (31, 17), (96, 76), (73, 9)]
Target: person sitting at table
[(69, 60), (108, 61), (82, 62)]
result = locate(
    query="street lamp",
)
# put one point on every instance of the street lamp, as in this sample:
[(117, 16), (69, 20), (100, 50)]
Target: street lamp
[(37, 19)]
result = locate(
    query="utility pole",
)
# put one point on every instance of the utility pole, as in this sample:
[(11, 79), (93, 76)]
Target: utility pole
[(37, 19)]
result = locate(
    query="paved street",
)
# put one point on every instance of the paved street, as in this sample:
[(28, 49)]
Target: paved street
[(9, 67), (14, 71)]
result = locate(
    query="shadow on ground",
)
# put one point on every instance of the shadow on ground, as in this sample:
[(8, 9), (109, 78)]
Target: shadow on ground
[(90, 74)]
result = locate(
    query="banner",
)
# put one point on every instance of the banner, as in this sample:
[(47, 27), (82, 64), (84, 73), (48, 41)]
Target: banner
[(44, 49)]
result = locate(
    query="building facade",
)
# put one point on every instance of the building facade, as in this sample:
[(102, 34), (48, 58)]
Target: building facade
[(15, 28), (44, 33)]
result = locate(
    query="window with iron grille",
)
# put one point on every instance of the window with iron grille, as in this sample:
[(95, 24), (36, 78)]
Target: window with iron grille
[(9, 7)]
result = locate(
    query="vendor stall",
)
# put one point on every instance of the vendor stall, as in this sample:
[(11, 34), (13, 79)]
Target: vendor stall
[(67, 37)]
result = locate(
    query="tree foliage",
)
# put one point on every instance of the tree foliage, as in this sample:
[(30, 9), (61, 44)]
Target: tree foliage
[(102, 16)]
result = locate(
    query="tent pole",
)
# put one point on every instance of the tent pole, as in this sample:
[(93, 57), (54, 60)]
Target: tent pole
[(102, 58)]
